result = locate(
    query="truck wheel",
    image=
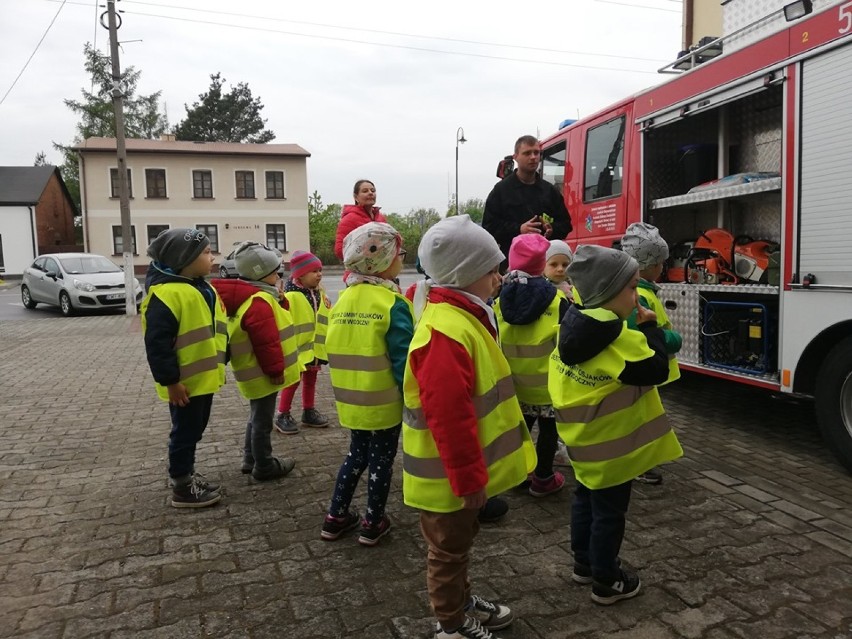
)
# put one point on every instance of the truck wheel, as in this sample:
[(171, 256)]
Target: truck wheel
[(834, 401)]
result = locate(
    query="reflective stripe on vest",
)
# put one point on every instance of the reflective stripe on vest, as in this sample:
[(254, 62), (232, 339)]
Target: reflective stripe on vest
[(252, 382), (365, 391), (304, 324), (320, 350), (201, 340), (613, 432), (663, 321), (508, 451), (527, 347)]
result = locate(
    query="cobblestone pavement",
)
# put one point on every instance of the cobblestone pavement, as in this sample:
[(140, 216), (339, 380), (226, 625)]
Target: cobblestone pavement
[(749, 536)]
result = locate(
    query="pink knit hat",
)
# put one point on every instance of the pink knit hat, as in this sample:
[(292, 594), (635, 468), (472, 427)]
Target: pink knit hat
[(527, 253), (302, 263)]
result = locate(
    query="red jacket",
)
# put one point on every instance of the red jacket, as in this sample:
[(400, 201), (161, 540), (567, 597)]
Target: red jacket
[(258, 322), (446, 375), (353, 217)]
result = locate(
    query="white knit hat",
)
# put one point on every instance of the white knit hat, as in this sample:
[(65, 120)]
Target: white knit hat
[(456, 252), (644, 244)]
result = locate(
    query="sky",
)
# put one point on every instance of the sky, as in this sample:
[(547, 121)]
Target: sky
[(372, 89)]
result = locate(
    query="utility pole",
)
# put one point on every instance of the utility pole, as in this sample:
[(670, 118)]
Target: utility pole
[(121, 151)]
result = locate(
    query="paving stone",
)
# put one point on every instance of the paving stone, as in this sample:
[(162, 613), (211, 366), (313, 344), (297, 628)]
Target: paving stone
[(748, 536)]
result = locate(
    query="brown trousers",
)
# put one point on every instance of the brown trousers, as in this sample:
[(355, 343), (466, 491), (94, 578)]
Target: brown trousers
[(450, 538)]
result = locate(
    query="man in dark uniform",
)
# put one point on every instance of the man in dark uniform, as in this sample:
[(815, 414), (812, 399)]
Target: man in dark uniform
[(525, 203)]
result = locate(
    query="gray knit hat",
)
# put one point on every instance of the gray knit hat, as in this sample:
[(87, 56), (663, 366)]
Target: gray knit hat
[(178, 248), (644, 244), (600, 273), (255, 261), (456, 252), (558, 247)]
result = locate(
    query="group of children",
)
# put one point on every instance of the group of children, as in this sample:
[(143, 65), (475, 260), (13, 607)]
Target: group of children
[(463, 373)]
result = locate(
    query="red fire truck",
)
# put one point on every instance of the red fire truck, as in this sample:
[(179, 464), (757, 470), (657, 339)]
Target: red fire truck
[(744, 163)]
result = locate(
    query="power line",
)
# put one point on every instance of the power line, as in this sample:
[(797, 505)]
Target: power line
[(393, 33), (638, 6), (27, 63), (377, 44)]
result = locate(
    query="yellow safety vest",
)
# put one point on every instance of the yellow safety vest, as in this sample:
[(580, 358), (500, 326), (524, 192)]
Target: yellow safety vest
[(527, 348), (252, 382), (365, 391), (663, 322), (304, 323), (507, 449), (201, 339), (322, 327), (614, 432)]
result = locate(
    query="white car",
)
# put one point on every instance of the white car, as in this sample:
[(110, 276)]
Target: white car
[(74, 282)]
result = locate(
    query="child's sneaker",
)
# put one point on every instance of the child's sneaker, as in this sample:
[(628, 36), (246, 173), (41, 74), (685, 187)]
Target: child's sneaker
[(545, 487), (471, 629), (582, 574), (205, 483), (653, 476), (370, 535), (493, 510), (285, 424), (277, 469), (247, 466), (188, 493), (560, 457), (490, 615), (312, 418), (334, 527), (625, 587)]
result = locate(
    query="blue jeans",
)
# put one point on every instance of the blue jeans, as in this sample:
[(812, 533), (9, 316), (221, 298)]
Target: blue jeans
[(375, 449), (188, 424), (597, 528)]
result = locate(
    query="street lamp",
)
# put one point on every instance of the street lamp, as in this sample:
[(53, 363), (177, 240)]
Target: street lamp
[(459, 139)]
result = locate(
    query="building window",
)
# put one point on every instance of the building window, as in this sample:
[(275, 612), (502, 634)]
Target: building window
[(275, 185), (202, 184), (155, 183), (604, 160), (245, 185), (212, 233), (155, 229), (118, 244), (276, 236), (553, 165), (114, 188)]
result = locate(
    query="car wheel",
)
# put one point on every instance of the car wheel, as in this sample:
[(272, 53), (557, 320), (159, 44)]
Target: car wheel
[(65, 304), (834, 401), (223, 272), (26, 298)]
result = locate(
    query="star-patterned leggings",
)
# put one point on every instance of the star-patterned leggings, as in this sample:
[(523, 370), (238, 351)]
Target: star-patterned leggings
[(375, 449)]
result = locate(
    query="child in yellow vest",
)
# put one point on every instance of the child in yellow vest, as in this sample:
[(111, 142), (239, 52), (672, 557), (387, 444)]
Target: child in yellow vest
[(644, 244), (464, 435), (369, 332), (602, 381), (557, 260), (310, 307), (183, 321), (263, 351), (528, 314)]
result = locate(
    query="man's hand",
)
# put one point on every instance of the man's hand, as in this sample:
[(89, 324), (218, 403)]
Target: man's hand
[(178, 395), (548, 229), (532, 225), (644, 314), (475, 501)]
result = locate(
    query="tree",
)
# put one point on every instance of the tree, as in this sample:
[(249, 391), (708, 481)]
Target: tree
[(40, 159), (322, 221), (142, 115), (224, 117), (474, 207), (412, 227)]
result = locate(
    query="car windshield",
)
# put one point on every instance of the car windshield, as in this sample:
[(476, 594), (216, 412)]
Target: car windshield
[(88, 264)]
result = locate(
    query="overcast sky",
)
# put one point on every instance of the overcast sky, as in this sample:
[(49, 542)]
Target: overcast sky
[(372, 89)]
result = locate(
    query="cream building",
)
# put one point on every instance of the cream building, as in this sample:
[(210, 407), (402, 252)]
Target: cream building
[(232, 192)]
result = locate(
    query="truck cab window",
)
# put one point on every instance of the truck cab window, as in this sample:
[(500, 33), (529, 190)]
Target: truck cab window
[(553, 165), (604, 160)]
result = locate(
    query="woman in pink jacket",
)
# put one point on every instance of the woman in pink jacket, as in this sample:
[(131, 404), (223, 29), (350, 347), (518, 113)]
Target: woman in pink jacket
[(354, 215)]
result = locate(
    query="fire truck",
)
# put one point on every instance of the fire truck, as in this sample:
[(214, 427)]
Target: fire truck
[(744, 163)]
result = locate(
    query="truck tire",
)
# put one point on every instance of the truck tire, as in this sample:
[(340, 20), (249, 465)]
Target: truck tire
[(834, 401)]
